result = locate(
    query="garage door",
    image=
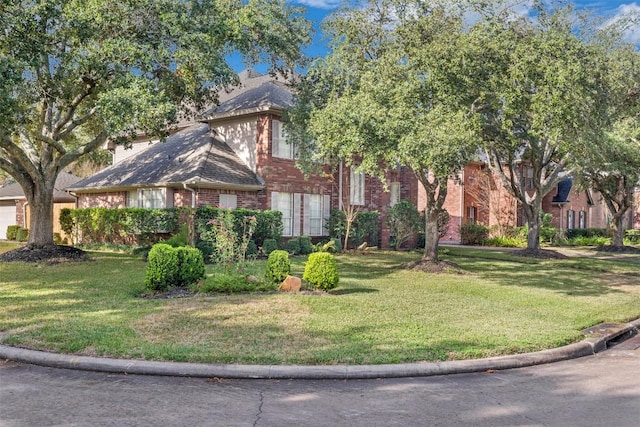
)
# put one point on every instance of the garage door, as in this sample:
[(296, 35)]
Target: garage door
[(7, 217)]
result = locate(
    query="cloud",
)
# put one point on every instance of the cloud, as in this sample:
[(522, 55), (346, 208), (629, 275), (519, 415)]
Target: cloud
[(321, 4), (629, 16)]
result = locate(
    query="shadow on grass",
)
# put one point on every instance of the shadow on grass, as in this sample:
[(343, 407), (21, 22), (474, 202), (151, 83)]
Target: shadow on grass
[(347, 291)]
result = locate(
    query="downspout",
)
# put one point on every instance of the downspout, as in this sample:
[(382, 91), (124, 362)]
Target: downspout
[(193, 194), (462, 191)]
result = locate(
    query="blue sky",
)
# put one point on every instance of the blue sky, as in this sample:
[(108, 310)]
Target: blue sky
[(317, 10)]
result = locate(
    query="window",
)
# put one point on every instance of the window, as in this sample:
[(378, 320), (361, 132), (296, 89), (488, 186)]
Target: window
[(228, 201), (582, 219), (395, 193), (472, 213), (356, 189), (279, 146), (315, 215), (149, 198), (571, 220), (527, 177), (283, 202)]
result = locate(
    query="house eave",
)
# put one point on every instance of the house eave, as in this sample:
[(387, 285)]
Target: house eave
[(194, 184), (245, 112)]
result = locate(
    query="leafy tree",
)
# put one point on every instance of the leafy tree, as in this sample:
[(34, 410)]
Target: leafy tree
[(392, 92), (74, 73), (545, 104)]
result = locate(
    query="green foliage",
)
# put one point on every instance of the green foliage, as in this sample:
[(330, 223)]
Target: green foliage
[(269, 246), (588, 232), (12, 232), (190, 265), (162, 268), (22, 235), (293, 246), (321, 271), (179, 239), (306, 247), (473, 233), (66, 221), (589, 241), (268, 223), (278, 267), (232, 282), (548, 233), (168, 267), (506, 242), (365, 227), (633, 236), (252, 249), (404, 221)]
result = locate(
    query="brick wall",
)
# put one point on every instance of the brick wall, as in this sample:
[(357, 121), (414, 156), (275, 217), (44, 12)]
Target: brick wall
[(102, 200)]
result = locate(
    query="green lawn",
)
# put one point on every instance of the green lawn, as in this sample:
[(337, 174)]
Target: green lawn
[(502, 304)]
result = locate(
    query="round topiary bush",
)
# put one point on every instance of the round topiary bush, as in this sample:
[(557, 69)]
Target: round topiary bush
[(321, 271), (162, 268), (190, 265), (278, 267)]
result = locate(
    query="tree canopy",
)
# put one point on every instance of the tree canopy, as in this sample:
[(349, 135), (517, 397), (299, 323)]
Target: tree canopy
[(76, 73)]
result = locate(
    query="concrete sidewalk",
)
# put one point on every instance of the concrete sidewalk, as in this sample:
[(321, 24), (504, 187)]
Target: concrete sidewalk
[(599, 338)]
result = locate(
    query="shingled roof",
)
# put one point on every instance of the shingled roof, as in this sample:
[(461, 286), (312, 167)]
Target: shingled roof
[(192, 156), (65, 179)]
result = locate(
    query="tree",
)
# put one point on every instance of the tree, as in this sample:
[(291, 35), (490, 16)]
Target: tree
[(76, 73), (392, 92), (545, 104)]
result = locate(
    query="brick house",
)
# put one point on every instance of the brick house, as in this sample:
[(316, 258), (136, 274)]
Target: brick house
[(237, 155)]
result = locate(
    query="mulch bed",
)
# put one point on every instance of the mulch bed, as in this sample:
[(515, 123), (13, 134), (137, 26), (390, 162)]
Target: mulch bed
[(427, 266), (540, 254), (618, 249), (53, 254)]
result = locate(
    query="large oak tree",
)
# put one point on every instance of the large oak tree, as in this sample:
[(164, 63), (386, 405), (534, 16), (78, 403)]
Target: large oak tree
[(74, 73)]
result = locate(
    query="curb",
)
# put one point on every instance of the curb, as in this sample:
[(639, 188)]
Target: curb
[(586, 347)]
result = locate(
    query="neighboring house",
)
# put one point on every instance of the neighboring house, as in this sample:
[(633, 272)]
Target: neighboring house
[(14, 209), (238, 155)]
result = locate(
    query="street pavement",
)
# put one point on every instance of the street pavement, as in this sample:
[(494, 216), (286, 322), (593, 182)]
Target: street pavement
[(598, 390)]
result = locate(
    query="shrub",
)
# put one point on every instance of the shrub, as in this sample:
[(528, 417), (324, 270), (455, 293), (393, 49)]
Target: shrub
[(404, 222), (293, 246), (179, 239), (589, 241), (162, 268), (168, 267), (22, 235), (278, 267), (207, 249), (252, 249), (506, 242), (473, 233), (306, 247), (231, 282), (633, 236), (269, 246), (337, 244), (190, 265), (588, 232), (321, 271), (12, 232)]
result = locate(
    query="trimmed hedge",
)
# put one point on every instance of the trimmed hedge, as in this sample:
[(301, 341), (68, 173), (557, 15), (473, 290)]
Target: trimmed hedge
[(473, 233), (321, 271), (12, 232), (22, 235), (168, 267)]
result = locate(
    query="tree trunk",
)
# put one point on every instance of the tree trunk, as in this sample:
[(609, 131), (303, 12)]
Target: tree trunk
[(40, 200), (534, 224), (431, 237), (618, 230)]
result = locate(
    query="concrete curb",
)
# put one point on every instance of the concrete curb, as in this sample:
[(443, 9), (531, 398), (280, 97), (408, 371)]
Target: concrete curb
[(587, 347)]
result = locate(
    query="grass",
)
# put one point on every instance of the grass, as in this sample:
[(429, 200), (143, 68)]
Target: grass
[(380, 313)]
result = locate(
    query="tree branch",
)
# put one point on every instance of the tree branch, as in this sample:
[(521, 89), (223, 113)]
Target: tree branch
[(71, 156), (75, 123), (90, 84)]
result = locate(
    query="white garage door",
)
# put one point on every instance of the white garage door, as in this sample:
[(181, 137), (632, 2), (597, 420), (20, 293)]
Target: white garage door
[(7, 217)]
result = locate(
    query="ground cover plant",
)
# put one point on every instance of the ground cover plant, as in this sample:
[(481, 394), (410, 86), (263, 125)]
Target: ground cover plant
[(379, 313)]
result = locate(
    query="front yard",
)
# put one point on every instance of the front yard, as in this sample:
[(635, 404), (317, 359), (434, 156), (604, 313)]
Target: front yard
[(380, 313)]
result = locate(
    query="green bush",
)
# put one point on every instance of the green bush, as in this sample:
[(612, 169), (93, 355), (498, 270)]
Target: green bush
[(179, 239), (588, 232), (404, 222), (12, 232), (365, 227), (337, 244), (190, 265), (473, 233), (633, 236), (293, 246), (207, 249), (269, 246), (168, 267), (278, 267), (589, 241), (22, 235), (321, 271), (252, 249), (506, 242), (162, 268), (306, 247), (231, 282)]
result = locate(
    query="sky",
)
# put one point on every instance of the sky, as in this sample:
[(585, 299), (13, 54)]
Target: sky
[(317, 10)]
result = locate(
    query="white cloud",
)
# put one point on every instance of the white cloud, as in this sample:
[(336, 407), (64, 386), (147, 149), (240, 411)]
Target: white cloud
[(321, 4), (630, 14)]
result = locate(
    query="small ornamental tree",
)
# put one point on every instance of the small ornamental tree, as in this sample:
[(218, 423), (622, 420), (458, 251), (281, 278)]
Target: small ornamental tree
[(404, 221)]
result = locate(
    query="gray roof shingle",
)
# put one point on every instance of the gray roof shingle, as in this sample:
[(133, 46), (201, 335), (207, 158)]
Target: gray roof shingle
[(190, 156), (64, 180)]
